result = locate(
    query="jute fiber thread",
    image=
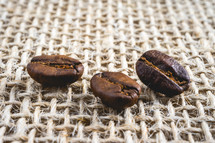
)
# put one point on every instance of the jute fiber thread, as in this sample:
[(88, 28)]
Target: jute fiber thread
[(106, 35)]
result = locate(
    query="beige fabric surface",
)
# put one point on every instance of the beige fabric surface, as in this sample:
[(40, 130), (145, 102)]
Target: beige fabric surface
[(106, 35)]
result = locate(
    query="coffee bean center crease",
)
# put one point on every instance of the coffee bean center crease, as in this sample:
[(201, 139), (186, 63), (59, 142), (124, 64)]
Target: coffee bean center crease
[(124, 88), (58, 65), (169, 74)]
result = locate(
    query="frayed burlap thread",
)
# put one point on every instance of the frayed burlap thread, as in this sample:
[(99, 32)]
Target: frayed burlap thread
[(106, 35)]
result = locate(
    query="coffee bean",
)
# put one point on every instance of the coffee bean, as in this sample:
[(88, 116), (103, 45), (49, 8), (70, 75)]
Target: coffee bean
[(162, 73), (115, 89), (55, 70)]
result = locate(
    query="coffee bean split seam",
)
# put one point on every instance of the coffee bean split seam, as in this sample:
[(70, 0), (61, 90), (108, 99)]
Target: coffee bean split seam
[(115, 89), (58, 65), (55, 70), (123, 87), (168, 73)]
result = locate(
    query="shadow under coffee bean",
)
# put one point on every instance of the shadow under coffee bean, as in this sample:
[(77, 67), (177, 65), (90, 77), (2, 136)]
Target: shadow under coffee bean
[(57, 70), (162, 73), (115, 89)]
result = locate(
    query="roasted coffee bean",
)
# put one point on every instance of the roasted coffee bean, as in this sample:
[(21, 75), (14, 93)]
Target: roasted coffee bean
[(55, 70), (162, 73), (115, 89)]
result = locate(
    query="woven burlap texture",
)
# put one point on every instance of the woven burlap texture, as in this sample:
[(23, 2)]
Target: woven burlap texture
[(106, 35)]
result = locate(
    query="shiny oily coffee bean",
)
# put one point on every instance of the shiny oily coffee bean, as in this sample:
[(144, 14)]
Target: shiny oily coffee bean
[(162, 73), (55, 70), (115, 89)]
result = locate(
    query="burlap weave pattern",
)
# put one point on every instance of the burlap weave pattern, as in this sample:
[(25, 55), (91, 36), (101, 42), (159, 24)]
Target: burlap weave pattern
[(106, 35)]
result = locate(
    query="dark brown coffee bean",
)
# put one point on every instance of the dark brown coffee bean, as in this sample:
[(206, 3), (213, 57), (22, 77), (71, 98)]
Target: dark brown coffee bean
[(55, 69), (162, 73), (115, 89)]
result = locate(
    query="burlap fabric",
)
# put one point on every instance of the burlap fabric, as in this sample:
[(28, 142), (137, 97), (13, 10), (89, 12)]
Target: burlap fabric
[(106, 35)]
